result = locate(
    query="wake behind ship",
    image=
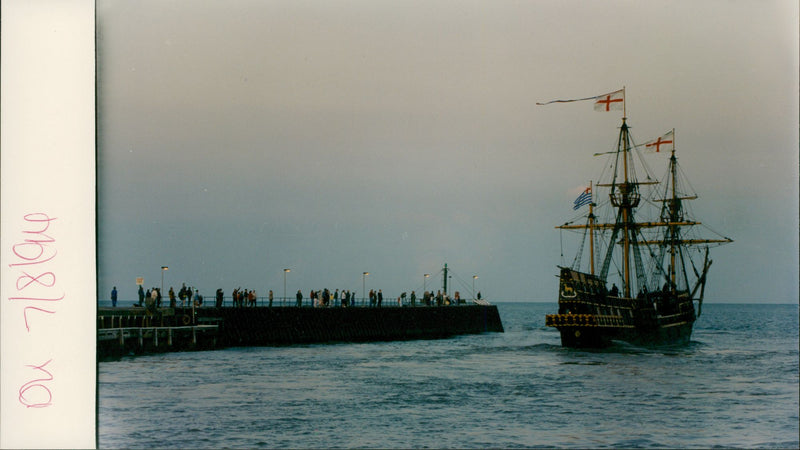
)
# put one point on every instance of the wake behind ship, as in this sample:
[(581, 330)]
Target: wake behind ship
[(647, 239)]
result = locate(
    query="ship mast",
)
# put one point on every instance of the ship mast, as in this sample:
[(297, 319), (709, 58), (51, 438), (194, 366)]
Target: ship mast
[(591, 231), (674, 208), (673, 217), (625, 197)]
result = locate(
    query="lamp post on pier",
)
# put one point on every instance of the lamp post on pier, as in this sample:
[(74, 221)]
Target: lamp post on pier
[(285, 271), (363, 286), (474, 277), (163, 269)]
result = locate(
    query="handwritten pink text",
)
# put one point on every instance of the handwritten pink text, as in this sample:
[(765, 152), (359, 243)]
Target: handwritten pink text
[(36, 283)]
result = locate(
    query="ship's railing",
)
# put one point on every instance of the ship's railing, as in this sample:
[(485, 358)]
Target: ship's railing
[(585, 320)]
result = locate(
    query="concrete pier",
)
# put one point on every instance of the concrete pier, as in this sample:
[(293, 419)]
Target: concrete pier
[(124, 331), (291, 325)]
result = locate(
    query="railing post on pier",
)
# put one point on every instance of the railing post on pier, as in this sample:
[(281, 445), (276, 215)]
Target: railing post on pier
[(121, 337)]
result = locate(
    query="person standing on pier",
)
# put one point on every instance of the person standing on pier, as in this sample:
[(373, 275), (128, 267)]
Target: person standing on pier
[(182, 294), (270, 298), (150, 301), (299, 297), (380, 298), (220, 297), (172, 301), (141, 295), (114, 297), (413, 299)]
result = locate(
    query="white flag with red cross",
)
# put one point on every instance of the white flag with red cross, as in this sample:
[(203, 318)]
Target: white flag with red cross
[(607, 102), (665, 143), (612, 101)]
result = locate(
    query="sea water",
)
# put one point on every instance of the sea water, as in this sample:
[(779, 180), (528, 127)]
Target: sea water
[(734, 385)]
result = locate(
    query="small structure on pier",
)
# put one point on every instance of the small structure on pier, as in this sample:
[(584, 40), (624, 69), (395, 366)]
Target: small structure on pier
[(126, 331)]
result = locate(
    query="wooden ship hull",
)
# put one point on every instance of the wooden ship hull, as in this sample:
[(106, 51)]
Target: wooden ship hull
[(588, 317)]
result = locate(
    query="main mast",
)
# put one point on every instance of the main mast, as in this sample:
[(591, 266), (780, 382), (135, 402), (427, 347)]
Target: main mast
[(591, 231), (625, 197), (674, 209)]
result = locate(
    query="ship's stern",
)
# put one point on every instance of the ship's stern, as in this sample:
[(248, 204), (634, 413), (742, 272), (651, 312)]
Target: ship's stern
[(577, 320)]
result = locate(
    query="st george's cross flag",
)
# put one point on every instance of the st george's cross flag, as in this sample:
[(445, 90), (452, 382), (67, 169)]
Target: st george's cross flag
[(584, 199), (605, 102), (665, 143)]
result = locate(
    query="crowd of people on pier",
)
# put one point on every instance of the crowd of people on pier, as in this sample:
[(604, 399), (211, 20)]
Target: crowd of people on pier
[(152, 298), (323, 298)]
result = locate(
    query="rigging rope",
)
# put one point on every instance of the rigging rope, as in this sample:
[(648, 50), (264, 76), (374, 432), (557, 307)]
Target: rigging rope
[(641, 276), (576, 263), (607, 260)]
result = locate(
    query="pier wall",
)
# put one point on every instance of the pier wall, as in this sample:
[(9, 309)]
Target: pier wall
[(291, 325), (123, 331)]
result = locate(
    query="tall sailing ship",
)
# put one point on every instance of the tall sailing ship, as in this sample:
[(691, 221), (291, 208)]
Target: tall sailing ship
[(650, 253)]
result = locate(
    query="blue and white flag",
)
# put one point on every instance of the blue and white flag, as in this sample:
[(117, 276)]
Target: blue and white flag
[(584, 199)]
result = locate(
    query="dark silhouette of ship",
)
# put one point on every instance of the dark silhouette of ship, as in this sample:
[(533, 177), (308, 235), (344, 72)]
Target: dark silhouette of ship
[(647, 238)]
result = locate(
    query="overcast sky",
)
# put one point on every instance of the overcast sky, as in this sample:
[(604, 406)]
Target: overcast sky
[(239, 138)]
